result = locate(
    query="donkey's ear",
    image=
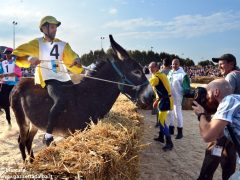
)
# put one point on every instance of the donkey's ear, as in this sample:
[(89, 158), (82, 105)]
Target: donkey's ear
[(118, 50)]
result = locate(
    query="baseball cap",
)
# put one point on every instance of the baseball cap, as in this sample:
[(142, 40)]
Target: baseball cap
[(227, 57)]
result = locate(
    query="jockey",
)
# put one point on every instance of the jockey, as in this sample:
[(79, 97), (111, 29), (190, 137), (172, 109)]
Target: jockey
[(52, 58), (9, 72), (9, 75), (163, 102)]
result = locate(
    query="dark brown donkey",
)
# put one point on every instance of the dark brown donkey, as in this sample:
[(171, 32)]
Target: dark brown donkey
[(91, 99)]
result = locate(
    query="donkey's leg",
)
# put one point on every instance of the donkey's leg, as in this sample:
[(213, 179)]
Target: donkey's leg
[(32, 132), (22, 148), (22, 139)]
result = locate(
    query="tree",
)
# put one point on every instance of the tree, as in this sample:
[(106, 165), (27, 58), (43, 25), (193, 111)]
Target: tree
[(188, 62), (99, 54), (142, 57), (206, 63), (87, 59), (137, 55)]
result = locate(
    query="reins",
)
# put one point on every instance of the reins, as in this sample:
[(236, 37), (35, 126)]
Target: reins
[(124, 80), (99, 79)]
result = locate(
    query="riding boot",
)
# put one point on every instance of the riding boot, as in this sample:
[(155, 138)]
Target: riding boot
[(160, 138), (47, 141), (171, 130), (169, 144), (179, 134)]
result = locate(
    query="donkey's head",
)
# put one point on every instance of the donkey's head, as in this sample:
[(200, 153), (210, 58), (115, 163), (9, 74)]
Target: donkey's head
[(134, 81)]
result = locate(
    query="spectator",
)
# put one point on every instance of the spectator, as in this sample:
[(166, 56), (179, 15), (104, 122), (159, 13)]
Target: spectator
[(166, 66)]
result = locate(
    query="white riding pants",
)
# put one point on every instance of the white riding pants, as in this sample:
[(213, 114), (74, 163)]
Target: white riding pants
[(176, 113)]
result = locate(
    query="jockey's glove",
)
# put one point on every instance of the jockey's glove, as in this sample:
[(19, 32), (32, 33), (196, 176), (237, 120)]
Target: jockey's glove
[(155, 103), (77, 62), (34, 60)]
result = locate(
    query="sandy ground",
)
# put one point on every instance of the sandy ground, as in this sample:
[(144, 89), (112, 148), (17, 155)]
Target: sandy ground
[(183, 162), (9, 152)]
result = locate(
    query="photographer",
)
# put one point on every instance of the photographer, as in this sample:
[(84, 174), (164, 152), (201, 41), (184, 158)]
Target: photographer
[(227, 66), (219, 98)]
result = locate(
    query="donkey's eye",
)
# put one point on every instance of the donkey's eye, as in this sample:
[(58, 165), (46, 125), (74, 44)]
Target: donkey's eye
[(137, 72)]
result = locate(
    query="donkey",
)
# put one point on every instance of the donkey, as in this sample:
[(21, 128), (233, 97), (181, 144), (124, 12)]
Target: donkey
[(87, 101)]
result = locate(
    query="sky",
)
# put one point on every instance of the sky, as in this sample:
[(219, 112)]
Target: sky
[(195, 29)]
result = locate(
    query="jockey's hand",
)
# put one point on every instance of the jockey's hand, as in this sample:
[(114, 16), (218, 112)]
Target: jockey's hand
[(34, 60), (77, 62), (11, 74), (155, 103), (197, 108), (8, 75)]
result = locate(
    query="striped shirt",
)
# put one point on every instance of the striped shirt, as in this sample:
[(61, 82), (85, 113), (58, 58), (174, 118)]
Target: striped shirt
[(229, 110)]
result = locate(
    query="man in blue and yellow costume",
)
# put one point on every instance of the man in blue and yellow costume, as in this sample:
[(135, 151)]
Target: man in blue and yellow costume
[(52, 58), (163, 102)]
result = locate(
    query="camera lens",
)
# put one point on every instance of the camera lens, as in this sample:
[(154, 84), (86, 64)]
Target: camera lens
[(200, 95)]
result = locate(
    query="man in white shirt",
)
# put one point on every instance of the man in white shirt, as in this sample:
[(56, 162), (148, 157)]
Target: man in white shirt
[(179, 82)]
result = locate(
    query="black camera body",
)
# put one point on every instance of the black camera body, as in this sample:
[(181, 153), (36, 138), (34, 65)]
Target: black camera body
[(200, 96)]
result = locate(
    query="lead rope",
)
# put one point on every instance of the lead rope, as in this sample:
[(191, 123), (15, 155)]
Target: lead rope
[(99, 79)]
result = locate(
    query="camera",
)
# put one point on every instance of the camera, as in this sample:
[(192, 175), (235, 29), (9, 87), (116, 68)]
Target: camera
[(200, 96)]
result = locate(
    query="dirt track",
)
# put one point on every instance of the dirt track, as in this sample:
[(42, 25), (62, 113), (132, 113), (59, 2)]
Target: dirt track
[(183, 162)]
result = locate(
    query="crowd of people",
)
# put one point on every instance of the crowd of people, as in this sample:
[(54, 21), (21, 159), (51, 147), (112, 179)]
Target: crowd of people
[(194, 71)]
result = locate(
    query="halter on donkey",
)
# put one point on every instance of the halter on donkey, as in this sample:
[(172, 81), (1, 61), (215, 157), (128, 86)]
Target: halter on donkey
[(89, 100)]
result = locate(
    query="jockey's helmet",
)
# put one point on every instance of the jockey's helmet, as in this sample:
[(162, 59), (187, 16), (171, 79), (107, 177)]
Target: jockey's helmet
[(8, 50), (49, 20)]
